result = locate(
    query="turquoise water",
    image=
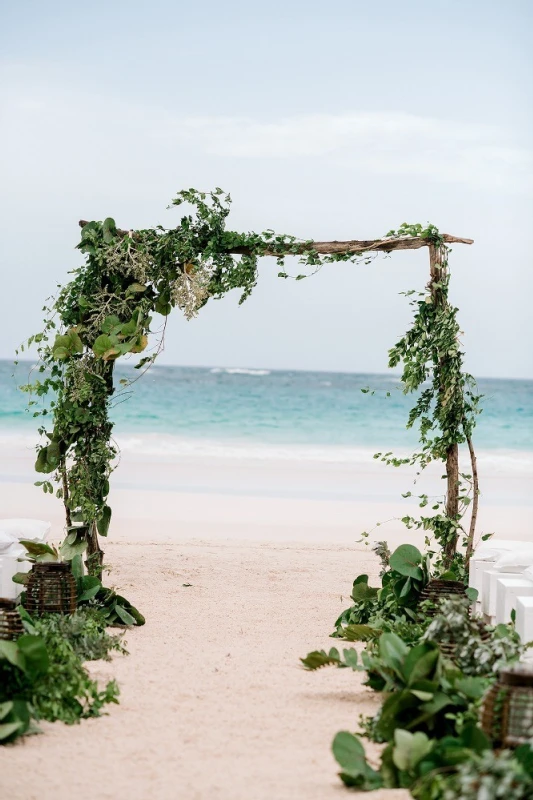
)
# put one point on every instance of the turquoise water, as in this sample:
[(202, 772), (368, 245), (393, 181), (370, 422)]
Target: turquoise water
[(252, 407)]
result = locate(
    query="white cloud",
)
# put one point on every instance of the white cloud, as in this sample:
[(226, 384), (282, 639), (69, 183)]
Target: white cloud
[(384, 143), (372, 141)]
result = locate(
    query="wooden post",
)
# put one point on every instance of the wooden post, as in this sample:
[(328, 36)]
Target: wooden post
[(437, 269), (95, 555)]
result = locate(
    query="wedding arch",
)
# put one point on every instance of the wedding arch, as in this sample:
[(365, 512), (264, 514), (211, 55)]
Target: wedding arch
[(105, 312)]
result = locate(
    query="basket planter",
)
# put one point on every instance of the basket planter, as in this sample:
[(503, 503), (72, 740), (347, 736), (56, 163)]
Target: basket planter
[(11, 626), (437, 590), (448, 649), (51, 589), (507, 715)]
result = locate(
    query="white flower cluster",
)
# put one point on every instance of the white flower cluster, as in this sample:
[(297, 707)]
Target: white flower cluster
[(191, 289)]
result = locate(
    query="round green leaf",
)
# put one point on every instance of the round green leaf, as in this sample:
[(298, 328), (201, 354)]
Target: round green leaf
[(405, 560)]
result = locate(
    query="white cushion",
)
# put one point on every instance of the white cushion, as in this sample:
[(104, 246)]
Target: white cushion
[(26, 528), (7, 540), (490, 550), (9, 565), (515, 560)]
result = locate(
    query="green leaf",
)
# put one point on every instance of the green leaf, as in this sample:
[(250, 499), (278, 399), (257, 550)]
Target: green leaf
[(350, 755), (34, 654), (135, 288), (124, 615), (20, 578), (362, 591), (421, 695), (405, 560), (129, 328), (8, 729), (35, 548), (421, 662), (76, 566), (11, 652), (104, 521), (475, 739), (109, 230), (41, 464), (65, 345), (351, 658), (392, 650), (141, 343), (111, 324), (409, 749), (524, 756), (473, 688), (360, 633), (90, 586), (53, 454), (319, 658), (69, 551), (348, 750), (104, 345)]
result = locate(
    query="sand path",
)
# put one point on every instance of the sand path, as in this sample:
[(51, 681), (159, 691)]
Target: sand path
[(213, 703)]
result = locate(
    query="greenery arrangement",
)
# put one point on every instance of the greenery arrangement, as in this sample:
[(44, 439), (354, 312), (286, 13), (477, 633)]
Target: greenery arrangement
[(106, 312), (113, 608), (42, 673), (42, 676), (430, 712)]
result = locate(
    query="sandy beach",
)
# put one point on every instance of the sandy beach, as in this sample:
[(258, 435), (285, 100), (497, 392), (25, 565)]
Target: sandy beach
[(214, 703)]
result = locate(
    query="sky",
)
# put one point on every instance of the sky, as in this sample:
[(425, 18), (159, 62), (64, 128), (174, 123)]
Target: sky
[(323, 120)]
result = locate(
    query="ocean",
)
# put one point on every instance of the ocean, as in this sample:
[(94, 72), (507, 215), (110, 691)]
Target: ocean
[(261, 413)]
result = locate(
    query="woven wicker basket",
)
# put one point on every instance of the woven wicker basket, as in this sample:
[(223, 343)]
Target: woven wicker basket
[(507, 714), (11, 626), (448, 649), (437, 590), (51, 589)]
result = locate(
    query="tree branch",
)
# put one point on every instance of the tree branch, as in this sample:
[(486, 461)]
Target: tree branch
[(475, 502)]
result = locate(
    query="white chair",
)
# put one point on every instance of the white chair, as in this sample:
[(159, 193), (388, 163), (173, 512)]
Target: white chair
[(509, 564), (524, 622), (488, 602), (484, 557), (507, 590)]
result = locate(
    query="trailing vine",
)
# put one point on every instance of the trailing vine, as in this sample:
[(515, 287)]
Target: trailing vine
[(447, 405)]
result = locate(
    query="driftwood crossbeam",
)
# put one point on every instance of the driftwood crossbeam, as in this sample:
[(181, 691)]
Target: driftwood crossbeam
[(386, 245)]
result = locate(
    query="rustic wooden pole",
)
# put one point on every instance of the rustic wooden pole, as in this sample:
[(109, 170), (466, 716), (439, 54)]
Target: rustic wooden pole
[(437, 270), (330, 248), (475, 503), (95, 555)]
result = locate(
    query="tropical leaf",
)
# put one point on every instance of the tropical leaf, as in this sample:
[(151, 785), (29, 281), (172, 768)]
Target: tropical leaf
[(319, 658), (360, 633), (406, 560), (355, 770)]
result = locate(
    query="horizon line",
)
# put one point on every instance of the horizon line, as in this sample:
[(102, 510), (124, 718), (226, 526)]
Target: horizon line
[(280, 369)]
